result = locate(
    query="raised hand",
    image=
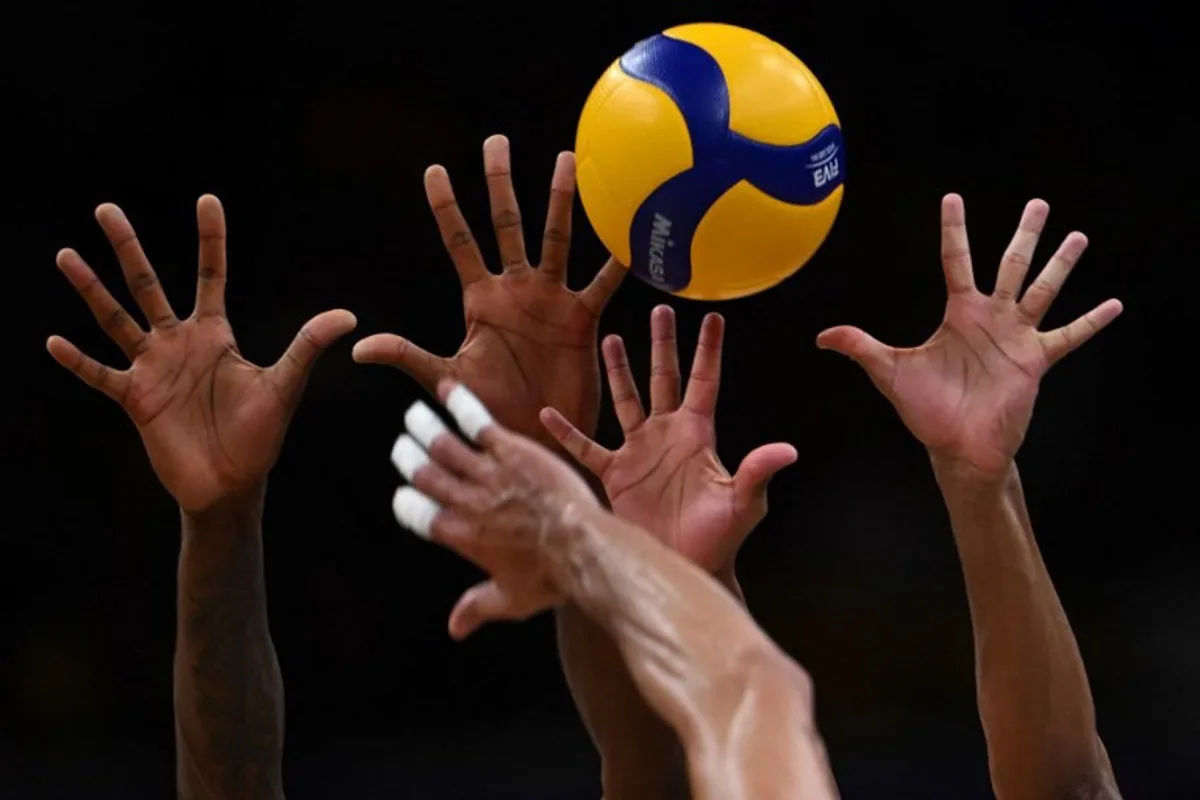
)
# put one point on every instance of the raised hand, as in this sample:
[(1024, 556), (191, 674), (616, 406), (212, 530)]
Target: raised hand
[(500, 505), (666, 476), (530, 341), (968, 392), (211, 421)]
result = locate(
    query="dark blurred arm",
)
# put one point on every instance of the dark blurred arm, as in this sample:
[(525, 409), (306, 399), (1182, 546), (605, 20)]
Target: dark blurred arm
[(1033, 692), (740, 707), (641, 757), (228, 689)]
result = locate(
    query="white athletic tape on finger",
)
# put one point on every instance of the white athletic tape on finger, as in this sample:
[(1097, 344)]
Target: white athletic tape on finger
[(423, 423), (408, 456), (414, 511), (470, 414)]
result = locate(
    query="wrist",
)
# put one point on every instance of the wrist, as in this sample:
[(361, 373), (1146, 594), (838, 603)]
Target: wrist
[(240, 511), (959, 475)]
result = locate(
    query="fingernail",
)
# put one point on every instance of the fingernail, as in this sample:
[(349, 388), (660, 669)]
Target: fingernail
[(470, 414), (408, 456), (415, 511), (423, 423)]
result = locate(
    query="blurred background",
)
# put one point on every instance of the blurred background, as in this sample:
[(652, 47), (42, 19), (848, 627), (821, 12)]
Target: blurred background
[(314, 123)]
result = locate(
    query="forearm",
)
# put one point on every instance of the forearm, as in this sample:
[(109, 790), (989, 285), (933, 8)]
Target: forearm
[(697, 658), (228, 689), (641, 756), (1033, 692)]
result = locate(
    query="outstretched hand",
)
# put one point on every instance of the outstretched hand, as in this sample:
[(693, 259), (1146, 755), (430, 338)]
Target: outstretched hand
[(666, 477), (211, 421), (530, 341), (968, 392)]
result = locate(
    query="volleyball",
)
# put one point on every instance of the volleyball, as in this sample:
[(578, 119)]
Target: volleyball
[(710, 161)]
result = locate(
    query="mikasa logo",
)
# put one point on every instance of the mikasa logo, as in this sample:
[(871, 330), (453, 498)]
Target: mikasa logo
[(659, 242)]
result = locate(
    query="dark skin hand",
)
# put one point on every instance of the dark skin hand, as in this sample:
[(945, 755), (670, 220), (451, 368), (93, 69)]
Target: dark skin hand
[(530, 343), (531, 340), (666, 477), (968, 394), (212, 423)]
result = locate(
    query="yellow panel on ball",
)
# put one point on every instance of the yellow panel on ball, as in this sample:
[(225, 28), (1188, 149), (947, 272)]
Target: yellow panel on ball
[(631, 139), (710, 161), (773, 97), (768, 237)]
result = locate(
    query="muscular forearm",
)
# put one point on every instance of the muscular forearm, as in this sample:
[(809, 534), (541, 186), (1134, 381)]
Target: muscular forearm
[(741, 708), (228, 690), (1033, 691)]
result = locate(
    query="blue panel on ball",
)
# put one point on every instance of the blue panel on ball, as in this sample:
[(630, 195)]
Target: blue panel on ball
[(802, 174), (665, 224), (693, 80)]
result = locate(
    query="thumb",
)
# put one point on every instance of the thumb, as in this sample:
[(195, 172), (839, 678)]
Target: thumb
[(868, 352), (396, 351), (483, 603), (759, 466), (291, 371)]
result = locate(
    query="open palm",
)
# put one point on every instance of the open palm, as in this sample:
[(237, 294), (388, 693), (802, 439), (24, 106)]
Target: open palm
[(666, 476), (968, 392), (211, 421), (530, 340)]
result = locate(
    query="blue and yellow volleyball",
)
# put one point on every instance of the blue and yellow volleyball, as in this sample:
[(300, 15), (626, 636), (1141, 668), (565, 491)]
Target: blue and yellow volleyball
[(710, 161)]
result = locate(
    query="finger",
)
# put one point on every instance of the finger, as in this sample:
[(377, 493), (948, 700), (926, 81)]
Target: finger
[(759, 466), (506, 215), (603, 286), (556, 240), (115, 321), (876, 358), (291, 371), (1062, 341), (93, 373), (1017, 258), (432, 479), (468, 411), (626, 401), (483, 603), (443, 446), (139, 275), (1050, 280), (210, 287), (396, 351), (456, 234), (704, 383), (415, 511), (956, 251), (664, 361), (591, 456)]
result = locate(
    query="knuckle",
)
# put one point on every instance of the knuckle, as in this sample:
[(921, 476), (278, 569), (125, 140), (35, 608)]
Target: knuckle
[(506, 219)]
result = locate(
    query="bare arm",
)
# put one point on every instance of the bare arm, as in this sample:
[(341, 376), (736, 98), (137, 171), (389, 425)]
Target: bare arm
[(666, 478), (228, 689), (742, 709), (640, 756), (1033, 692)]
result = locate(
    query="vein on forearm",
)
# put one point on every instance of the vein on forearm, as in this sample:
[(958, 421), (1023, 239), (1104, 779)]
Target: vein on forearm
[(228, 688)]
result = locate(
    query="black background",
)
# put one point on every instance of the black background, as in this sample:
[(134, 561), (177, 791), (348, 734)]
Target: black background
[(314, 126)]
